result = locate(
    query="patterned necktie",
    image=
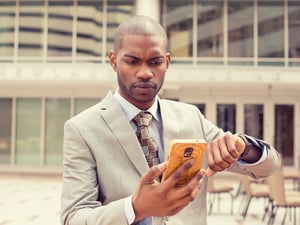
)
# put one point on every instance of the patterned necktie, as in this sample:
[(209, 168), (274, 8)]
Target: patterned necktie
[(149, 147)]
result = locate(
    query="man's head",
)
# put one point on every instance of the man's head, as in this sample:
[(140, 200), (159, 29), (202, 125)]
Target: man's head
[(138, 25), (140, 59)]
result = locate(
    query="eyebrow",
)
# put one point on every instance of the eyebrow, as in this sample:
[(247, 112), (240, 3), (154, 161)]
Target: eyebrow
[(131, 56), (136, 58)]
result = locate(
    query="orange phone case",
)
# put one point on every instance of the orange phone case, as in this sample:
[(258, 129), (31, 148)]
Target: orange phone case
[(182, 150)]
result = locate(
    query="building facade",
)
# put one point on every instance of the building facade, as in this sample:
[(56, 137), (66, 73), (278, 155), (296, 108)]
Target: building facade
[(237, 60)]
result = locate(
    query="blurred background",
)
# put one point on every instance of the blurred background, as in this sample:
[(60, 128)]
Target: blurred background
[(236, 60)]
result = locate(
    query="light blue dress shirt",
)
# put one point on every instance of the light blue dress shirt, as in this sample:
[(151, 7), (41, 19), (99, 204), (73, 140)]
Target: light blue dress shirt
[(155, 129)]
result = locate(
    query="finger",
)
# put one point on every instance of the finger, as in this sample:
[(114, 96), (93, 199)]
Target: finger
[(240, 145), (209, 172), (233, 145), (193, 183), (228, 150), (153, 173), (213, 155), (224, 150), (190, 191), (179, 173), (203, 171), (196, 190), (225, 157), (186, 194)]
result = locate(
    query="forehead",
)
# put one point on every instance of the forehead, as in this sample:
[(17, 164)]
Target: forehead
[(144, 45)]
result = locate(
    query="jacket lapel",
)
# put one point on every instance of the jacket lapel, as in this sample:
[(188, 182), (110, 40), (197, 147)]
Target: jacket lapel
[(170, 125), (119, 125)]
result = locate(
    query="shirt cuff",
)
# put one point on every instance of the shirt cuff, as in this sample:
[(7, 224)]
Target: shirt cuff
[(129, 212), (260, 145)]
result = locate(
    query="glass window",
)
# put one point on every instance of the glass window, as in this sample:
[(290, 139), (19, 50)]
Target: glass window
[(89, 28), (226, 117), (84, 103), (270, 29), (294, 29), (5, 131), (201, 107), (117, 12), (28, 131), (210, 28), (57, 112), (180, 27), (7, 28), (284, 132), (31, 28), (254, 120), (240, 28), (60, 28)]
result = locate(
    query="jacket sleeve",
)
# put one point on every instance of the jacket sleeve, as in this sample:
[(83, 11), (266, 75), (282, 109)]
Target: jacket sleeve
[(266, 167)]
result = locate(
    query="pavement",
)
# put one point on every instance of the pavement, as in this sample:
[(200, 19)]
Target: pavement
[(29, 200), (35, 200)]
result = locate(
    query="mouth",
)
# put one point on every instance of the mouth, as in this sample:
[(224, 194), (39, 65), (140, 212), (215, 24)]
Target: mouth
[(145, 85)]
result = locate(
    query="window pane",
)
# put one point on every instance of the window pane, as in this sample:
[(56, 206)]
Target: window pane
[(180, 27), (254, 120), (201, 107), (60, 27), (89, 28), (210, 28), (7, 28), (240, 25), (5, 129), (83, 103), (270, 29), (284, 132), (57, 112), (117, 12), (226, 114), (294, 29), (28, 131), (31, 28)]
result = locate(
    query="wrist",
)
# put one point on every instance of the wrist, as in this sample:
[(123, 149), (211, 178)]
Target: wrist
[(250, 154), (129, 211), (137, 212), (245, 140)]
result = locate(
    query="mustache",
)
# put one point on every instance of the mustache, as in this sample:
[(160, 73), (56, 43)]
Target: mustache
[(144, 84)]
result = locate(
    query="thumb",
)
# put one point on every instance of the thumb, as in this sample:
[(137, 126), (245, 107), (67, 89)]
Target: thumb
[(153, 173), (209, 172), (240, 144)]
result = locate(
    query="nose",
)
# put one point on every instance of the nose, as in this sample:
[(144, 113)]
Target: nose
[(144, 72)]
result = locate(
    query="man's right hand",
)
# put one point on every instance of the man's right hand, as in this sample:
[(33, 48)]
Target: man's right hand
[(164, 199)]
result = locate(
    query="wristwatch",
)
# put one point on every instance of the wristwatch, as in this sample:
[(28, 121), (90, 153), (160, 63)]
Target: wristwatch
[(251, 153)]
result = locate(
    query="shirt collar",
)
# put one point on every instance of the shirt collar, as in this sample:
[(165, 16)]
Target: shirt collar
[(131, 111)]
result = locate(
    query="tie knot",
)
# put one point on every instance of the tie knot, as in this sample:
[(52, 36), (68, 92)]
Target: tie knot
[(142, 119)]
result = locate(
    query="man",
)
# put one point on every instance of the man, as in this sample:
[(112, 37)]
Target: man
[(106, 176)]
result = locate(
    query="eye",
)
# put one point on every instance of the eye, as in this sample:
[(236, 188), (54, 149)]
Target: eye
[(131, 61), (156, 62)]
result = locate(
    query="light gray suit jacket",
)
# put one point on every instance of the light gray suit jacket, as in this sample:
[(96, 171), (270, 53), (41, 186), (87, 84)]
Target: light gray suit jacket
[(103, 162)]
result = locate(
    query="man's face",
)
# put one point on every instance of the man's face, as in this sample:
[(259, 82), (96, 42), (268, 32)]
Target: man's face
[(141, 64)]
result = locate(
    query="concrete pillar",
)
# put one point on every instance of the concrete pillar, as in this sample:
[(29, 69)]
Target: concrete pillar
[(148, 8)]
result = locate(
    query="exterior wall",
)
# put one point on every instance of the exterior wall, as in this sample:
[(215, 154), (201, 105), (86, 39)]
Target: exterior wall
[(78, 81)]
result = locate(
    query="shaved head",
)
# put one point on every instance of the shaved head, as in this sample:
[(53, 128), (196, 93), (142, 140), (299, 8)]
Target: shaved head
[(138, 25)]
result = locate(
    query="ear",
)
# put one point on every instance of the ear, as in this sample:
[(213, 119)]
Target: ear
[(113, 60), (168, 59)]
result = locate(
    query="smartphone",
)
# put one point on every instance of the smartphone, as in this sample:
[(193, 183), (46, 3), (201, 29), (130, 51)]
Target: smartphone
[(180, 151)]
